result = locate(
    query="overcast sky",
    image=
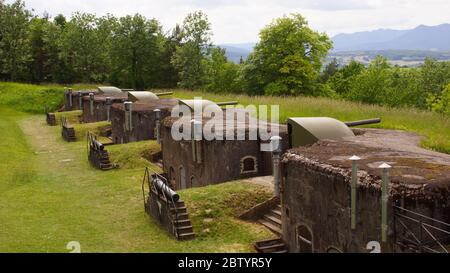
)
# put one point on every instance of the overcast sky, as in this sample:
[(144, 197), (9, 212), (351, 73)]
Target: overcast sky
[(239, 21)]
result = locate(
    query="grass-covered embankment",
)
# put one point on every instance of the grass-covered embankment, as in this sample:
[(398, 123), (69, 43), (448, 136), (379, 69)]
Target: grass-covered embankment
[(33, 98)]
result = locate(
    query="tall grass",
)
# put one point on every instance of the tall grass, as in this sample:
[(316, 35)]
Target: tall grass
[(434, 127)]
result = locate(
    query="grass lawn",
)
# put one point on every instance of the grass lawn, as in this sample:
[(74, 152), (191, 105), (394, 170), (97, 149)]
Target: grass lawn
[(50, 195)]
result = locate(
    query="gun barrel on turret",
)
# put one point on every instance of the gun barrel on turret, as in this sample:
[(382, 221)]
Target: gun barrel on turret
[(227, 103), (362, 122), (164, 94)]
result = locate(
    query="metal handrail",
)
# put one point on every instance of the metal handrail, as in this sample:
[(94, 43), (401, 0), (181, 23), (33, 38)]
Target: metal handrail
[(422, 216), (418, 239)]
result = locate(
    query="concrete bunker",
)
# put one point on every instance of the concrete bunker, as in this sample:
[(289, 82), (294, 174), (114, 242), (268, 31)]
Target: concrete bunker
[(97, 106), (316, 195), (138, 121), (199, 156), (73, 100)]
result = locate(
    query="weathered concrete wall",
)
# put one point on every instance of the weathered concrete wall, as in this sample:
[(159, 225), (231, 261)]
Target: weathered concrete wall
[(221, 161), (76, 99), (99, 113), (316, 191), (321, 201), (143, 125)]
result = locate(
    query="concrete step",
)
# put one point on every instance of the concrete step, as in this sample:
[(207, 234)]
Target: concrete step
[(185, 229), (274, 228), (181, 215), (276, 212), (271, 246), (179, 204), (186, 236), (180, 210), (182, 223), (272, 219)]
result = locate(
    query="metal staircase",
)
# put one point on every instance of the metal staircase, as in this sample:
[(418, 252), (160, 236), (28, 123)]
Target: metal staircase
[(68, 132), (420, 233), (158, 197)]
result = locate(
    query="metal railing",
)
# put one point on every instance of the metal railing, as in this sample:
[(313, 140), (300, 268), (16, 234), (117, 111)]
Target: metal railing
[(419, 232), (149, 178)]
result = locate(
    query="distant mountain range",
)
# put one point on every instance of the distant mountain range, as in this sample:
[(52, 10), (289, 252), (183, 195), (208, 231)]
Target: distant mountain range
[(234, 52), (434, 38), (423, 38)]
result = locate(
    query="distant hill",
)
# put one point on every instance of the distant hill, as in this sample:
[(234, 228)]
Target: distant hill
[(420, 38), (234, 52)]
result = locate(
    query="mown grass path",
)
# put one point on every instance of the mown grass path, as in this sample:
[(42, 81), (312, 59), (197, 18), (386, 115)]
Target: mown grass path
[(49, 195)]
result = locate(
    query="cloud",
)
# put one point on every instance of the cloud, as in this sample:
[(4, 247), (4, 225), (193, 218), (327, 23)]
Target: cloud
[(329, 5), (235, 21)]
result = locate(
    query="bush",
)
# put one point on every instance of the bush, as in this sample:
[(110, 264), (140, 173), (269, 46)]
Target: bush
[(440, 103)]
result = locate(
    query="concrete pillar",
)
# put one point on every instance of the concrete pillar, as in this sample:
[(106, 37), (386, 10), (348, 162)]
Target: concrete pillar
[(108, 108), (157, 114), (275, 144)]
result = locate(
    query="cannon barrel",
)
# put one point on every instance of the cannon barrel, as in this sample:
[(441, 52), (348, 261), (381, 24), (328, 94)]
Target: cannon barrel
[(164, 94), (98, 145), (162, 187), (227, 103), (362, 122)]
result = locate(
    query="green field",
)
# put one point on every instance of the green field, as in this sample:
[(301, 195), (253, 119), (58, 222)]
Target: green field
[(50, 195)]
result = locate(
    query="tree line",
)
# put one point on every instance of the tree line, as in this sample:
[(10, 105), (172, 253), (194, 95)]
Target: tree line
[(135, 52)]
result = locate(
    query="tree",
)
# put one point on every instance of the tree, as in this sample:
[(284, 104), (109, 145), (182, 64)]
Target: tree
[(330, 69), (136, 51), (40, 66), (440, 103), (14, 45), (195, 45), (288, 58), (370, 86), (82, 49), (167, 73), (382, 84), (435, 76), (341, 79), (221, 75)]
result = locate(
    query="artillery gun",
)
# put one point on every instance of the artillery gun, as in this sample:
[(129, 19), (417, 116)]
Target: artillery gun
[(309, 130)]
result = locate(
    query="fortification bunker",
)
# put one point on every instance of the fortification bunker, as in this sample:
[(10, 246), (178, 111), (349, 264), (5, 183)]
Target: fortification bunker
[(96, 106), (73, 100), (316, 195), (143, 120), (201, 162)]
